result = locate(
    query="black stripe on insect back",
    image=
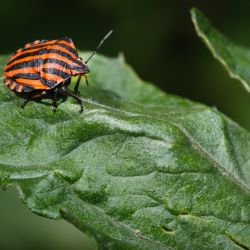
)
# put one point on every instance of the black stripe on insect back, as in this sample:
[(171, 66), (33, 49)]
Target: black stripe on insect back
[(27, 64), (44, 51), (38, 46), (73, 51), (61, 63), (56, 72), (24, 54), (67, 39), (48, 83), (31, 76), (27, 88)]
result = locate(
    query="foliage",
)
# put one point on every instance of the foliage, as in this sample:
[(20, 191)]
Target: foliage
[(138, 169)]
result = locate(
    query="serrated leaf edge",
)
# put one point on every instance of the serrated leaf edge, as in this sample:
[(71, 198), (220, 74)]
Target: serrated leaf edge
[(213, 50)]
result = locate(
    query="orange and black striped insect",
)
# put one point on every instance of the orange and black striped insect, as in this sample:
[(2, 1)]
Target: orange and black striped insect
[(43, 69)]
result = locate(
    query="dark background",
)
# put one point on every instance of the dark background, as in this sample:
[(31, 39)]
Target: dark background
[(159, 42)]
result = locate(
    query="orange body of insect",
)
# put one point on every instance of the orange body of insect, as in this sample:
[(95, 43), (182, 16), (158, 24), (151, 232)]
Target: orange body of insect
[(43, 69)]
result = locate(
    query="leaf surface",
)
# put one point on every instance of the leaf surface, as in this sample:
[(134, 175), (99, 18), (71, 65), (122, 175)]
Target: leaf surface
[(138, 169)]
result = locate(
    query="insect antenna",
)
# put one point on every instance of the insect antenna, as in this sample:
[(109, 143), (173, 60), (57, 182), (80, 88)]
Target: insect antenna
[(99, 45)]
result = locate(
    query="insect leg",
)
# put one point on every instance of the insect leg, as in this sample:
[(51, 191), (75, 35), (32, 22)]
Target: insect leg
[(54, 100), (77, 85), (63, 90)]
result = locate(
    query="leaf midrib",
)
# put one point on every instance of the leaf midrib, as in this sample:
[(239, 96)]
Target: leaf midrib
[(200, 148)]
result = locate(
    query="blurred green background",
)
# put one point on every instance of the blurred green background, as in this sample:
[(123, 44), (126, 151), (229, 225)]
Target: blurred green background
[(158, 41)]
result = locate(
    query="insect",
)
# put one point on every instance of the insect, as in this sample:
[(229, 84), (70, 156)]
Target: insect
[(44, 68)]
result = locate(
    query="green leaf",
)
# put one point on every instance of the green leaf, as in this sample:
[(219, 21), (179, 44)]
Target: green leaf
[(138, 169), (234, 58)]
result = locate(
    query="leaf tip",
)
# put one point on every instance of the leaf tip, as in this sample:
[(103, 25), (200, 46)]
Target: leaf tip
[(197, 17), (194, 13), (193, 10)]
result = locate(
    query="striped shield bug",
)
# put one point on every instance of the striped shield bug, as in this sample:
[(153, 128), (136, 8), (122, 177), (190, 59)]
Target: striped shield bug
[(44, 68)]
